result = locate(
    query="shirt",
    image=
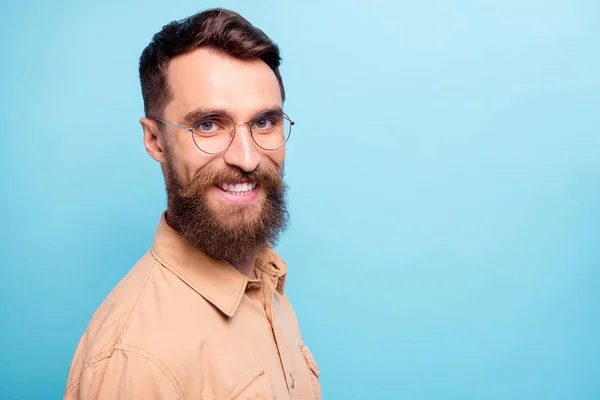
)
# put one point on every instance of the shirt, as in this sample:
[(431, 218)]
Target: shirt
[(182, 325)]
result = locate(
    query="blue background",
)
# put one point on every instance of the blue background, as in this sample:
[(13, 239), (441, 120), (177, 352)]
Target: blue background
[(444, 180)]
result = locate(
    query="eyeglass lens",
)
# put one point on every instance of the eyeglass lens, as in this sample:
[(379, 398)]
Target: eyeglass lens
[(213, 133)]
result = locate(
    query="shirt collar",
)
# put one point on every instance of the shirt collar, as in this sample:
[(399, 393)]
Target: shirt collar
[(215, 280), (270, 263)]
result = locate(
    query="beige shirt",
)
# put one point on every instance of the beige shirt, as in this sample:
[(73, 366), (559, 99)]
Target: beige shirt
[(181, 325)]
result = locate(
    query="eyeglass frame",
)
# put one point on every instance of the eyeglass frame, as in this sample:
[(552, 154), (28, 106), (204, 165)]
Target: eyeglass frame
[(190, 129)]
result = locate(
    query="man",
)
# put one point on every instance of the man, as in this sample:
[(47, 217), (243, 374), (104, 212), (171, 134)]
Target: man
[(203, 314)]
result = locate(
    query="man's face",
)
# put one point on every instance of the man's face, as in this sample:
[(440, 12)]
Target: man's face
[(203, 203)]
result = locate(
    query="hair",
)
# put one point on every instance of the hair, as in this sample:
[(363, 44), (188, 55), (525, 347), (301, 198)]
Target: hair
[(222, 30)]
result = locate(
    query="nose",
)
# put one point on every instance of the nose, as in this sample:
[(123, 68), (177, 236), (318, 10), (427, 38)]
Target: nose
[(242, 152)]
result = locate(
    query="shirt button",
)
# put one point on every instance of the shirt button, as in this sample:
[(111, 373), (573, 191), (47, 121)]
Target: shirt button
[(292, 380)]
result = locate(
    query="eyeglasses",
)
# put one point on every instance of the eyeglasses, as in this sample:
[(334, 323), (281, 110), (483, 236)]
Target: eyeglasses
[(213, 133)]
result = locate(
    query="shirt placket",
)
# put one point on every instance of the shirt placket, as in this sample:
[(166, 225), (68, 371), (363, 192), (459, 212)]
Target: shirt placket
[(279, 338)]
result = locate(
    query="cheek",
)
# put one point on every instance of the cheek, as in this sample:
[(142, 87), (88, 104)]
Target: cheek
[(189, 160), (277, 157)]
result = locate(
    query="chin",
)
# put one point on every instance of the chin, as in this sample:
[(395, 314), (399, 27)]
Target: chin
[(233, 215)]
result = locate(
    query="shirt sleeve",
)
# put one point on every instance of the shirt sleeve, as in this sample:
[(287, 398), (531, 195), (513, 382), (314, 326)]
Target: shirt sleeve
[(128, 373)]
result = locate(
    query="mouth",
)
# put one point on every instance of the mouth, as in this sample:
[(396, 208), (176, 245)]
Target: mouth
[(239, 192)]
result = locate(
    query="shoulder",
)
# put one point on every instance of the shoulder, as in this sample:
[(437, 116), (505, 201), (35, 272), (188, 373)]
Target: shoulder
[(124, 372), (110, 321), (101, 353)]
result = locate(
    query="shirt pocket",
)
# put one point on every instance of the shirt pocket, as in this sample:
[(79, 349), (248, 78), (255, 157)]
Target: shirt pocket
[(313, 367), (256, 387)]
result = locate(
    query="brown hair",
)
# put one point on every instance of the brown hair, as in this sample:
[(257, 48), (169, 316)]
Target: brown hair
[(223, 30)]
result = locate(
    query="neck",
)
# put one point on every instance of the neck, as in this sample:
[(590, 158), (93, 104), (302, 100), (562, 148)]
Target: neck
[(246, 267)]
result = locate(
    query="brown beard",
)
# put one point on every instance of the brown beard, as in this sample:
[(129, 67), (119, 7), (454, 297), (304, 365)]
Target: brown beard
[(234, 232)]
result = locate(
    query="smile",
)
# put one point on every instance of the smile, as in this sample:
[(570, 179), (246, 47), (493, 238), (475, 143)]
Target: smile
[(239, 189), (239, 193)]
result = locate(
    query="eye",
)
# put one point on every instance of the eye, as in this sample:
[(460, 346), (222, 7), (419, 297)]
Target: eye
[(206, 127), (263, 124), (211, 125)]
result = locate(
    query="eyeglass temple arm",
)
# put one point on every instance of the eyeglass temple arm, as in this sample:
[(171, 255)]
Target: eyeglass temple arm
[(183, 128)]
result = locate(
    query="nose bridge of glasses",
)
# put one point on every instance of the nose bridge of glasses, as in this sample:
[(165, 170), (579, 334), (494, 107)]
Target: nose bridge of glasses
[(248, 123), (236, 130)]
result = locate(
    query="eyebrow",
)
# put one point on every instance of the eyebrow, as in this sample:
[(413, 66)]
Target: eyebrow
[(194, 115)]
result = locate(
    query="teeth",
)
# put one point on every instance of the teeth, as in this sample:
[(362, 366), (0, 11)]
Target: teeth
[(238, 188)]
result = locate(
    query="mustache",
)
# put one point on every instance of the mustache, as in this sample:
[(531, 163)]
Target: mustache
[(270, 178)]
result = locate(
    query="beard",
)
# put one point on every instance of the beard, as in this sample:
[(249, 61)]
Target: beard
[(232, 232)]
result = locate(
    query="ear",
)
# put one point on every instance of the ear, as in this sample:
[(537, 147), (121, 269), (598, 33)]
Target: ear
[(153, 141)]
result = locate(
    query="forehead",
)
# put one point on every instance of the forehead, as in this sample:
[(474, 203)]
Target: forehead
[(207, 78)]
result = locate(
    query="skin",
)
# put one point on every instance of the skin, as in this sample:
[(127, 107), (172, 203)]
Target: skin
[(204, 78)]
